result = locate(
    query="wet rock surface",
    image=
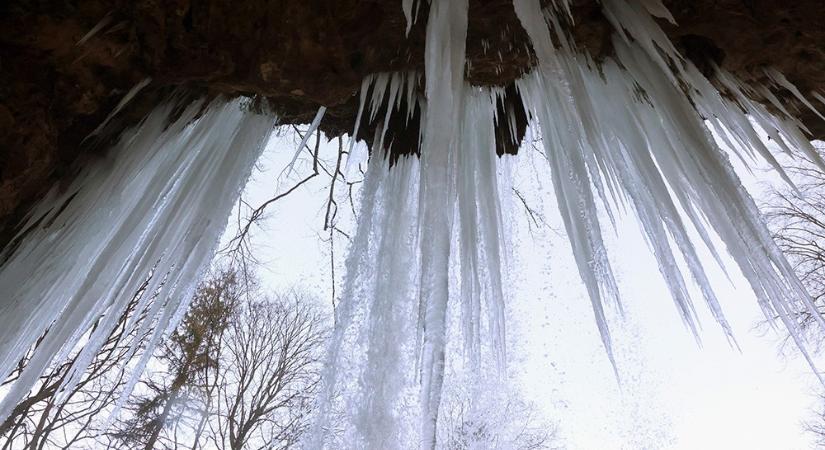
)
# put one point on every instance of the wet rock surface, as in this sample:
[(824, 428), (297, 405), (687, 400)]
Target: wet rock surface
[(65, 65)]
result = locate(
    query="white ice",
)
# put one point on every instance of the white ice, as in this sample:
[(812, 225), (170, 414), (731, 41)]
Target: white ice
[(631, 133), (154, 204)]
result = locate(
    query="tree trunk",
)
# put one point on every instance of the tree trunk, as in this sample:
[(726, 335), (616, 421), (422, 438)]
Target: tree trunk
[(167, 408)]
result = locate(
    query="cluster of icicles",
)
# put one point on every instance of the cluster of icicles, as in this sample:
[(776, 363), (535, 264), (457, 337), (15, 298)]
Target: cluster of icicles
[(157, 204), (632, 132)]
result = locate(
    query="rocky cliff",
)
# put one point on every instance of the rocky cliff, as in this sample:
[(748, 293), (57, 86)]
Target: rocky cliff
[(66, 65)]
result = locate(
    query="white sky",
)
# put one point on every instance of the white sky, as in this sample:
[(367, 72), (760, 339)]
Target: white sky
[(673, 394)]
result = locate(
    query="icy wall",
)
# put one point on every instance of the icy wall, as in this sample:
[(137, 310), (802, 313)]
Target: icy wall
[(629, 131), (155, 206)]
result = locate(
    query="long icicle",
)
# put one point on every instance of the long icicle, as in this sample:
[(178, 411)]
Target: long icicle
[(444, 64), (157, 203)]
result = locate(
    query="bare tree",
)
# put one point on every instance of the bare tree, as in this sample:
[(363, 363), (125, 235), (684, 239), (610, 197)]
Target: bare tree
[(269, 373), (176, 394), (53, 417), (311, 161), (816, 425), (492, 416), (796, 218), (238, 372)]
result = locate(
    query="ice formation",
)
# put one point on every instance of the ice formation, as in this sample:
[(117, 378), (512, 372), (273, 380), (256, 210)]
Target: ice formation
[(156, 204), (632, 132), (383, 358)]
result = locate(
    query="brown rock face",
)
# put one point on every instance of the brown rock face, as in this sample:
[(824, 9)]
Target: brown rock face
[(65, 65), (744, 36)]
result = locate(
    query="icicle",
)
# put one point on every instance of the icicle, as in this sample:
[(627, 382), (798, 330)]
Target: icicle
[(390, 88), (156, 204), (654, 149), (395, 84), (123, 102), (350, 309), (444, 64), (628, 135), (819, 97), (354, 160), (369, 375), (316, 121), (391, 316), (378, 306), (558, 116), (780, 79), (657, 9), (631, 21), (480, 226), (106, 20), (409, 15)]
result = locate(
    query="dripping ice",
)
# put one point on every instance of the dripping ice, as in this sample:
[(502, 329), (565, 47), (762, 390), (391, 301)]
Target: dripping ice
[(646, 150), (157, 204), (626, 133)]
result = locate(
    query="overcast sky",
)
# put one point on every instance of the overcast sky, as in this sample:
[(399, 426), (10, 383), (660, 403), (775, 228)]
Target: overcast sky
[(672, 393)]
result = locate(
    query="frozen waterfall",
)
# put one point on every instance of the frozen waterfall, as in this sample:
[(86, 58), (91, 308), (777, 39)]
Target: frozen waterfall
[(634, 132), (156, 204)]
